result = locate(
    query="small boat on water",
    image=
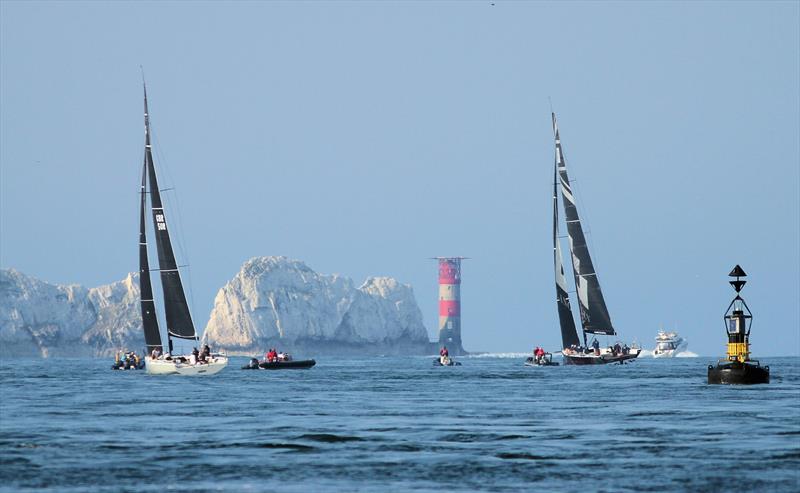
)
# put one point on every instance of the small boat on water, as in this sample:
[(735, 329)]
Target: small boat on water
[(544, 360), (301, 364), (127, 361), (668, 344), (178, 317), (445, 361), (595, 318)]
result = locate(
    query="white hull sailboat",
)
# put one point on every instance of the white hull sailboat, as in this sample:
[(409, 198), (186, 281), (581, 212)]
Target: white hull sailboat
[(595, 319), (178, 318), (181, 366)]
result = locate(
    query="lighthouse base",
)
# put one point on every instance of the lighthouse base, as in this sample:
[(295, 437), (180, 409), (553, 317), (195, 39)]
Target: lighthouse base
[(737, 373)]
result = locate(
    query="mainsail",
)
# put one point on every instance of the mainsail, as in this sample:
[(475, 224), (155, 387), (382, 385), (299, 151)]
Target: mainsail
[(594, 314), (152, 337), (569, 335), (179, 320)]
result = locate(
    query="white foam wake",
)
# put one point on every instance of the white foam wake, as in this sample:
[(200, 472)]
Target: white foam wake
[(647, 353)]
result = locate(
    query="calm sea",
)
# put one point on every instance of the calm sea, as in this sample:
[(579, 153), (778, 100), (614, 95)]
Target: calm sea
[(398, 424)]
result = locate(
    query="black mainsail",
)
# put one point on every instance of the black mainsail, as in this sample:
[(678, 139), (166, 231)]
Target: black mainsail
[(594, 314), (569, 334), (152, 336), (179, 320)]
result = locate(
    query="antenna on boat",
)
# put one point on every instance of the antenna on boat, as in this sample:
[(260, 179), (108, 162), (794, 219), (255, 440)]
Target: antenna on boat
[(144, 85)]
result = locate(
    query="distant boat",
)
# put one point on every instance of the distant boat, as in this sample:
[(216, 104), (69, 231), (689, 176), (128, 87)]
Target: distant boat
[(594, 315), (545, 360), (291, 364), (445, 360), (668, 344), (179, 320)]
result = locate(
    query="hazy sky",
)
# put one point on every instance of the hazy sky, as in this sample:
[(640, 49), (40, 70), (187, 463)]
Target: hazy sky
[(365, 137)]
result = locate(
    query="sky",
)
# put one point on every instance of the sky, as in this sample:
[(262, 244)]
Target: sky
[(366, 137)]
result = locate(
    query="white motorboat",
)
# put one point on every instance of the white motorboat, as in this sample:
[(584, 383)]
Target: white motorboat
[(669, 344)]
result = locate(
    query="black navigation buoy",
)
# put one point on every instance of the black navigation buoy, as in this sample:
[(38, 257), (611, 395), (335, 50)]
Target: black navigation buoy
[(738, 368)]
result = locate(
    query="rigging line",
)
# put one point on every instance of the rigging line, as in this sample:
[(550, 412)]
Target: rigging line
[(174, 202), (587, 230)]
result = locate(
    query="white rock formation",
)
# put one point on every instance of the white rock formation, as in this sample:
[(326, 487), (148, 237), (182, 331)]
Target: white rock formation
[(275, 301), (36, 317), (271, 301), (119, 318)]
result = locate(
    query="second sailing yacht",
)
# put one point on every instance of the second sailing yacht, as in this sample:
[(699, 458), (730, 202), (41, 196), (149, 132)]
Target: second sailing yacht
[(595, 319)]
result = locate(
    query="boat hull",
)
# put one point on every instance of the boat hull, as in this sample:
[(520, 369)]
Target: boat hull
[(602, 359), (450, 362), (120, 366), (737, 373), (176, 367), (281, 365), (547, 362)]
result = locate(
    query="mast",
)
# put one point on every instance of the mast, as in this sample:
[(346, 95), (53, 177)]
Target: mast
[(152, 336), (179, 320), (569, 334), (594, 313)]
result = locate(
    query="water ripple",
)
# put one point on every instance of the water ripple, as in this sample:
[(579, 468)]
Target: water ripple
[(392, 424)]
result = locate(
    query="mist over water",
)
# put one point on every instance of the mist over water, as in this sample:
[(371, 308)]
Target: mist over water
[(398, 424)]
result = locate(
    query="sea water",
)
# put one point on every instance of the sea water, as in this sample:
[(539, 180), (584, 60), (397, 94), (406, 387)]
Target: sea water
[(398, 424)]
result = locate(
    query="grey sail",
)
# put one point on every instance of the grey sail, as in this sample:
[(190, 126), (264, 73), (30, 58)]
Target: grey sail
[(569, 334), (179, 320), (152, 336), (594, 314)]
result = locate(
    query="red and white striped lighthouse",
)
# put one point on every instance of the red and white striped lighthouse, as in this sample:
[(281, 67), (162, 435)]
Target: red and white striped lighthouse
[(450, 303)]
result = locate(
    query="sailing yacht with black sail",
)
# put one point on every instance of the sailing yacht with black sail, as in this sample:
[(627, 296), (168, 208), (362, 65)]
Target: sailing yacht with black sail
[(176, 310), (592, 307)]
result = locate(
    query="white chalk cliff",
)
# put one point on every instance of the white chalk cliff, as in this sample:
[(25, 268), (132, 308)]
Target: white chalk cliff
[(42, 319), (276, 301), (272, 301)]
